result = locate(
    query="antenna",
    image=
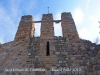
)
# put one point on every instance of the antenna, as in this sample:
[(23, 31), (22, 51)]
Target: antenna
[(48, 10)]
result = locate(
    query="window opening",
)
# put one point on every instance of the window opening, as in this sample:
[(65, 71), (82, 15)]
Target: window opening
[(47, 49)]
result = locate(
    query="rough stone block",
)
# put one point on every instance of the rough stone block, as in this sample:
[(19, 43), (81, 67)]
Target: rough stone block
[(57, 53), (99, 72), (78, 58), (13, 73), (72, 58), (7, 73), (1, 71), (62, 65), (97, 68), (48, 73)]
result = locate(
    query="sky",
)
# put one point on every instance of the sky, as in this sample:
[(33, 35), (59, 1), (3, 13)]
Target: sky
[(86, 14)]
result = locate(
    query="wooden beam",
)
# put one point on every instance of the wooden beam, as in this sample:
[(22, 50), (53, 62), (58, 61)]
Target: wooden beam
[(56, 21)]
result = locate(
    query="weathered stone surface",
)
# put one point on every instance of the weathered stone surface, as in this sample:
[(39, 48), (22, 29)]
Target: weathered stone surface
[(25, 29), (62, 65), (1, 71), (7, 73), (48, 73), (99, 72), (78, 58), (27, 51), (60, 61), (57, 53), (82, 48), (72, 58), (13, 73), (97, 67)]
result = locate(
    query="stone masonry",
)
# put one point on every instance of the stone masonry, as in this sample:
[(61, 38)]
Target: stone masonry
[(68, 27), (49, 54), (25, 29)]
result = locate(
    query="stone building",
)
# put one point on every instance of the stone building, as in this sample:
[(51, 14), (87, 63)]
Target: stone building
[(49, 54)]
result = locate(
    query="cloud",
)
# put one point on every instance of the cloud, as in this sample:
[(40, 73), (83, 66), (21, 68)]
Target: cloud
[(84, 33), (57, 29), (57, 16), (57, 26), (32, 5), (37, 29), (7, 28), (29, 5), (1, 41), (10, 14), (37, 25), (78, 15), (88, 3)]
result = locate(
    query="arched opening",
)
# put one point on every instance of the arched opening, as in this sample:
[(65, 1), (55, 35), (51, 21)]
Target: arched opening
[(47, 49)]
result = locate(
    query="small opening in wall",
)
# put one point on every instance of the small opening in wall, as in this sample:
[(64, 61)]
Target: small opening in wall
[(57, 29), (37, 29), (47, 49)]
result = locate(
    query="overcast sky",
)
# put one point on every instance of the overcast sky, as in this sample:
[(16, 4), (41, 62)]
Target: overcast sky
[(86, 14)]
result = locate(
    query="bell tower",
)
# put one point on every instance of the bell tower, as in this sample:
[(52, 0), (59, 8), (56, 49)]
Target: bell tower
[(47, 29), (68, 27), (25, 29), (47, 35)]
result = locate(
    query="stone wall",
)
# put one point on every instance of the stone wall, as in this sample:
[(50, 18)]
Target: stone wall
[(25, 29), (77, 56), (68, 27), (64, 56), (47, 33), (13, 55), (47, 29)]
